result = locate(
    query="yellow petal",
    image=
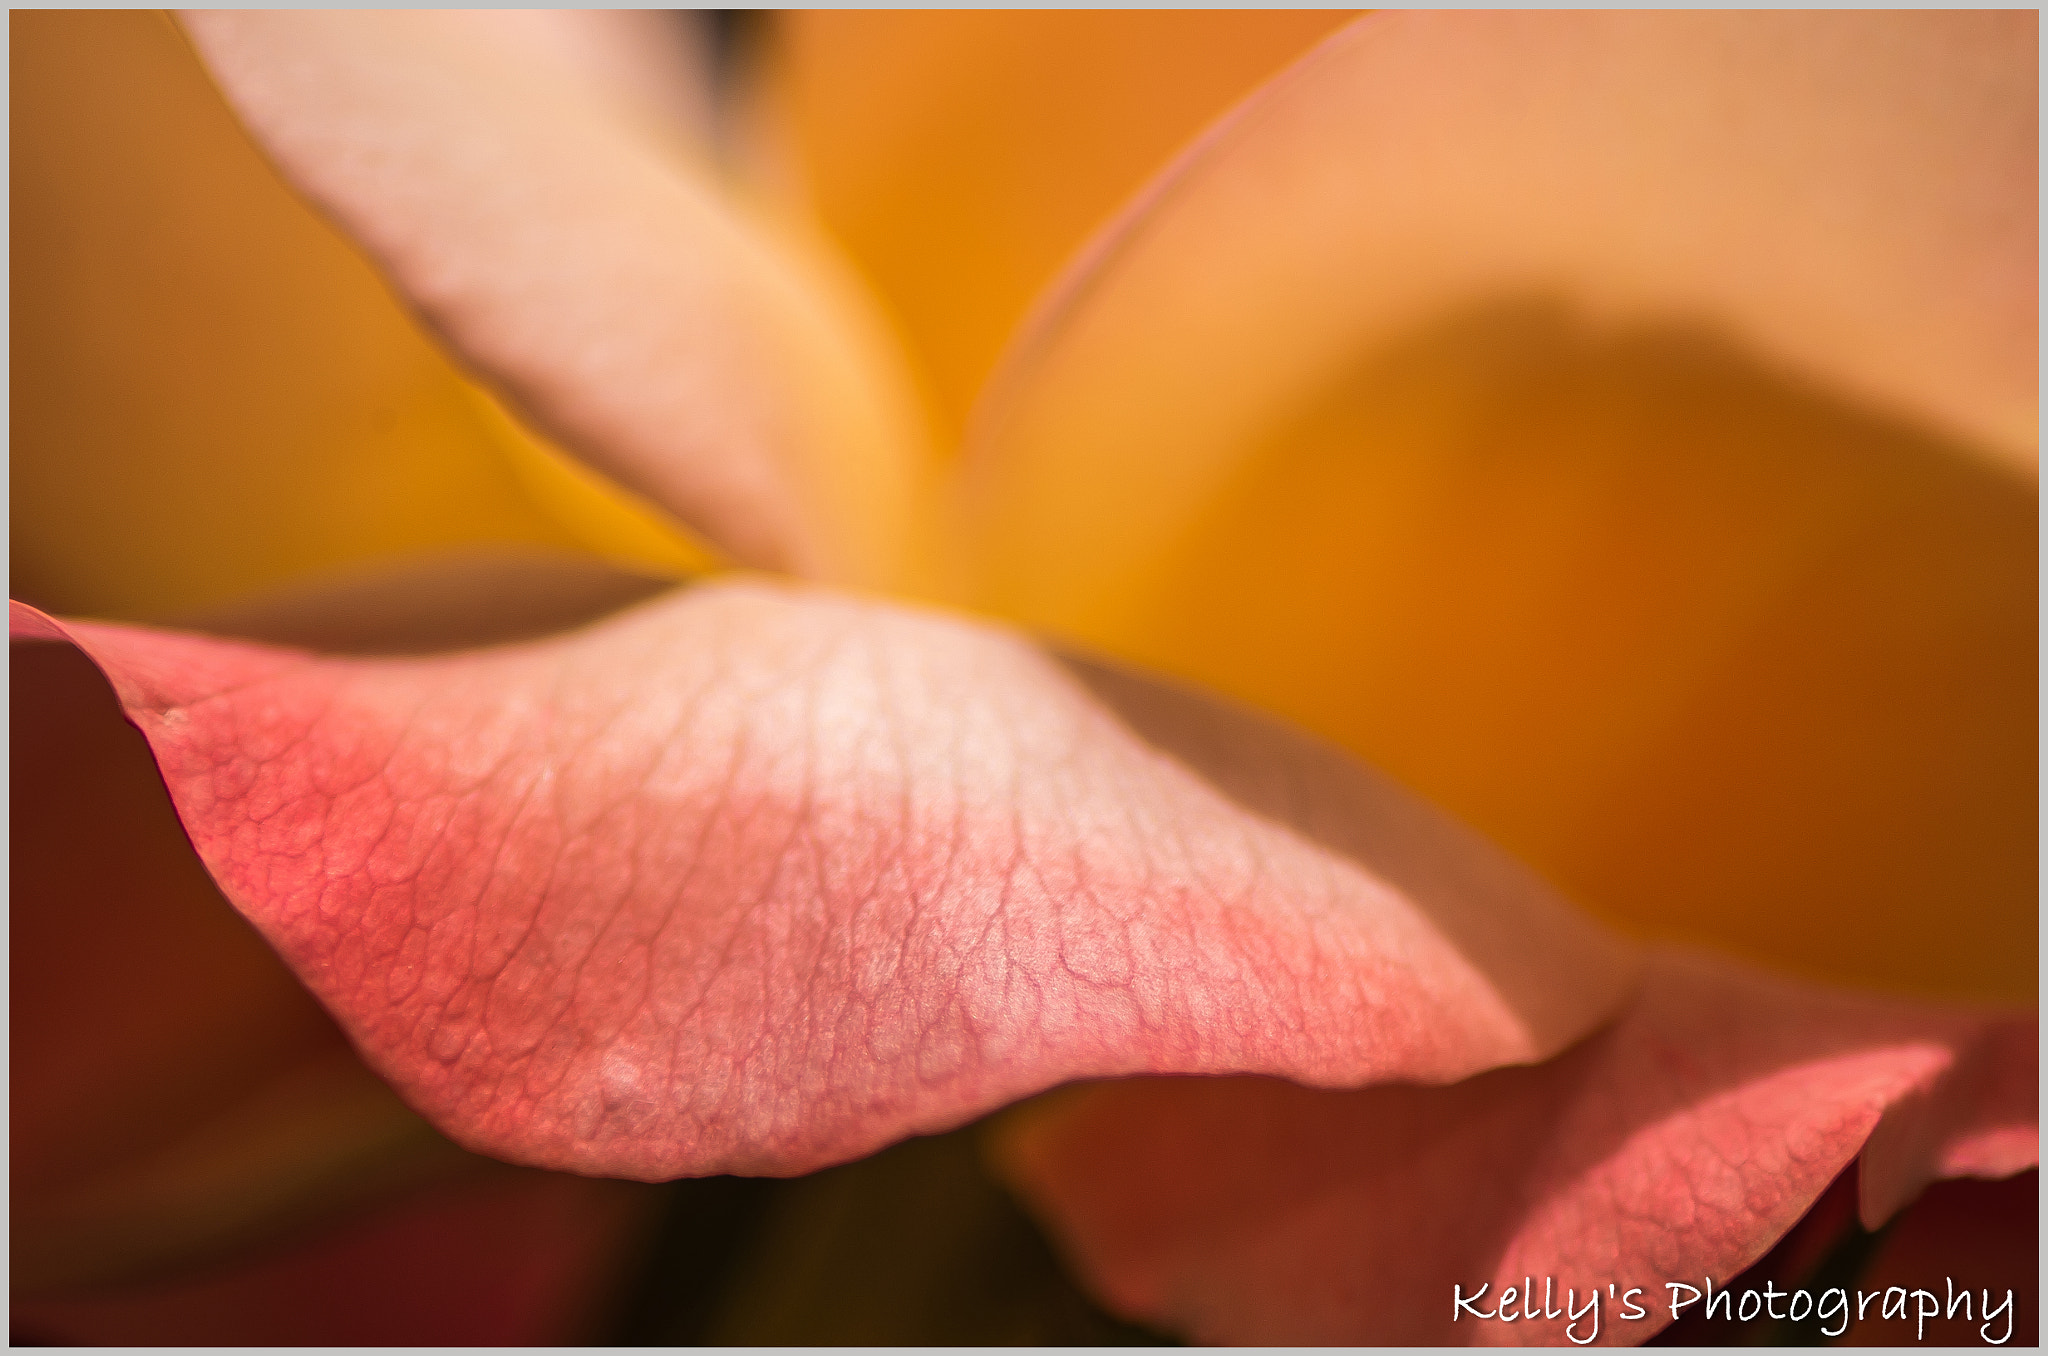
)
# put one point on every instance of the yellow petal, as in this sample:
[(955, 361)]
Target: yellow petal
[(1617, 426), (961, 156), (603, 518), (596, 272), (211, 392)]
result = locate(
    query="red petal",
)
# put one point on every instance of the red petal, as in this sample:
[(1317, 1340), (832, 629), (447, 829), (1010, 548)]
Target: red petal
[(571, 249), (756, 879), (1980, 1236), (1676, 1145), (504, 1259)]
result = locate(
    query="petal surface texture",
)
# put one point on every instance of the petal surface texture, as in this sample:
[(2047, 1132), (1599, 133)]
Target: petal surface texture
[(1680, 1143), (1616, 426), (563, 233), (755, 879)]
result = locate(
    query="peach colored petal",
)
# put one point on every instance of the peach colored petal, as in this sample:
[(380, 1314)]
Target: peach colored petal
[(210, 390), (656, 64), (1342, 423), (758, 879), (1680, 1143), (1852, 193), (961, 156), (596, 271)]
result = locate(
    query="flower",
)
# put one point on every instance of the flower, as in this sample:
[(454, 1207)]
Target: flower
[(760, 878)]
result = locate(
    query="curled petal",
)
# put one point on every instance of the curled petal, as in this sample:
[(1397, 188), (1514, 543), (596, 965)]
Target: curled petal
[(177, 1094), (758, 879), (1680, 1143), (568, 244)]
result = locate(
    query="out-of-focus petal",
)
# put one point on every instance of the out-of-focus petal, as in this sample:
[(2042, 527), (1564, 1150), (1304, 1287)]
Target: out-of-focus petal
[(602, 517), (656, 65), (451, 600), (1852, 193), (504, 1258), (1680, 1143), (756, 879), (1976, 1235), (312, 1143), (210, 391), (1528, 402), (962, 156), (596, 272)]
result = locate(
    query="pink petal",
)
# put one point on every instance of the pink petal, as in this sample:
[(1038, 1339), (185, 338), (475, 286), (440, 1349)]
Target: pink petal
[(572, 248), (758, 879), (174, 1090), (1680, 1143)]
